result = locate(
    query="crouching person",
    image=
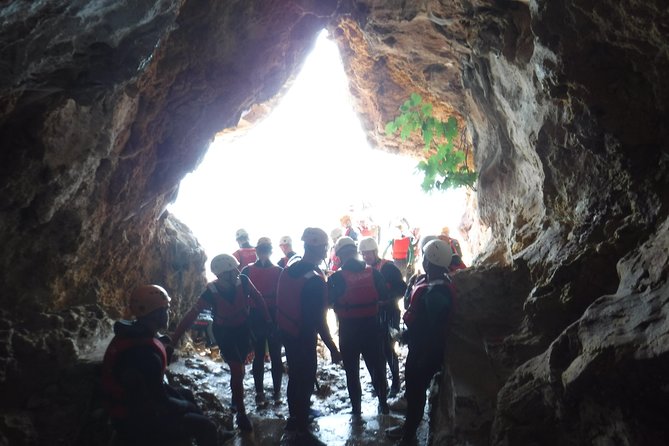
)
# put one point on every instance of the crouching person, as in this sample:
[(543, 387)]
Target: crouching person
[(144, 409)]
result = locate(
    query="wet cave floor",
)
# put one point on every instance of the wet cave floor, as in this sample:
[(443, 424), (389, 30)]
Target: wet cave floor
[(202, 370)]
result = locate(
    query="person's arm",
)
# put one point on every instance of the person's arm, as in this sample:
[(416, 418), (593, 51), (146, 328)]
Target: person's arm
[(381, 289), (396, 283), (188, 319), (385, 251), (335, 288), (258, 300), (315, 310)]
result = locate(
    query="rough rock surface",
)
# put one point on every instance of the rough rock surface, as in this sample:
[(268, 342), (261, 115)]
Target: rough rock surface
[(105, 105)]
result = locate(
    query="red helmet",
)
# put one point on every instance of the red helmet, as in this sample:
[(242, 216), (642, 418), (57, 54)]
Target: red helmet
[(147, 298)]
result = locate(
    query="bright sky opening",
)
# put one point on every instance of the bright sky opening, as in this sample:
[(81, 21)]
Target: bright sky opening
[(307, 164)]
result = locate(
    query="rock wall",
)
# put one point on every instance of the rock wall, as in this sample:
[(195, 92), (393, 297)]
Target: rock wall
[(106, 105)]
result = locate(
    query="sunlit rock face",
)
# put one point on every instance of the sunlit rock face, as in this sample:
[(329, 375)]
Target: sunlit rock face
[(561, 333)]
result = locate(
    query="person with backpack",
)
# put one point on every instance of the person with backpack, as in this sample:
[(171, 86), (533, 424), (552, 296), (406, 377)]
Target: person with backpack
[(389, 311), (430, 306), (355, 292), (228, 297), (301, 316), (143, 408), (265, 276)]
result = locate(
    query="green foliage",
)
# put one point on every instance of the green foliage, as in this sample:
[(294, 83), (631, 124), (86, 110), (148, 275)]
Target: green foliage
[(444, 167)]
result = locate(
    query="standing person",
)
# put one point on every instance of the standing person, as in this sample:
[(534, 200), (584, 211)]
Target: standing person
[(246, 254), (349, 230), (355, 292), (389, 310), (456, 261), (143, 408), (402, 250), (333, 263), (228, 297), (426, 319), (301, 310), (286, 245), (265, 276)]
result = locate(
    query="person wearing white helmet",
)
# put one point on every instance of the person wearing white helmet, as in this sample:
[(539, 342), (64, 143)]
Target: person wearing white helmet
[(265, 276), (389, 311), (301, 316), (333, 263), (246, 254), (228, 297), (143, 408), (286, 245), (426, 320), (355, 293)]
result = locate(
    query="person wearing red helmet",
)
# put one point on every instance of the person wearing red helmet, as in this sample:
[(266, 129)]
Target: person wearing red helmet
[(143, 408)]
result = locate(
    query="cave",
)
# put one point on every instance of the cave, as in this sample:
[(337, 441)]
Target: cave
[(561, 332)]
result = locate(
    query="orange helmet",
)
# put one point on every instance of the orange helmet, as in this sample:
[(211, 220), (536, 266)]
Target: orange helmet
[(147, 298)]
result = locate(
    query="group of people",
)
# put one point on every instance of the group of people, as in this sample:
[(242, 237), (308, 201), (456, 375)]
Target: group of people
[(258, 305)]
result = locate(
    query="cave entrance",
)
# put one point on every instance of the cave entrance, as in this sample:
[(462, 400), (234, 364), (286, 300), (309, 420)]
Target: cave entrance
[(306, 164)]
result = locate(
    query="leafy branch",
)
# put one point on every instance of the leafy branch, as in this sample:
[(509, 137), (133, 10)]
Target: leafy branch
[(444, 167)]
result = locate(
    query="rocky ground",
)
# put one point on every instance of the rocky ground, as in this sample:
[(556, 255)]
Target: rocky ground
[(202, 369)]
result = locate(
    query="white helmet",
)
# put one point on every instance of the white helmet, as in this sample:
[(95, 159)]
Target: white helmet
[(368, 244), (241, 233), (223, 263), (425, 240), (438, 252), (314, 237), (336, 233), (343, 242), (286, 240)]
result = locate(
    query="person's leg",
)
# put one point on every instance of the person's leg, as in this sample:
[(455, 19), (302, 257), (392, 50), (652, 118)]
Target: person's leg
[(258, 368), (201, 428), (274, 345), (393, 359), (418, 377), (370, 342), (349, 346), (301, 376)]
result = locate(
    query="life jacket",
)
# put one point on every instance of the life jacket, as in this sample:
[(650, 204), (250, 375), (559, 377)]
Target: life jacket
[(366, 231), (335, 262), (230, 313), (417, 293), (360, 298), (266, 281), (245, 256), (289, 301), (116, 394), (401, 248)]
